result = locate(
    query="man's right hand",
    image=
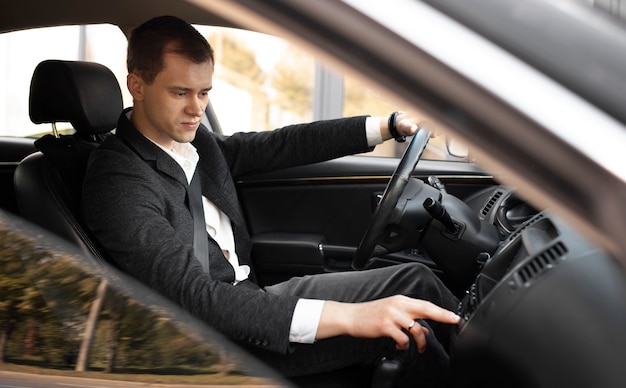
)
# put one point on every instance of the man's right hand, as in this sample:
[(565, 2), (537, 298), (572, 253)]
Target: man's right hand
[(391, 317)]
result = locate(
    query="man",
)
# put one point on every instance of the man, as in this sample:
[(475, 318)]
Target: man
[(141, 178)]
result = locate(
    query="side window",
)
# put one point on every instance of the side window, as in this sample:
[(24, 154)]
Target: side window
[(25, 49), (359, 98), (260, 82)]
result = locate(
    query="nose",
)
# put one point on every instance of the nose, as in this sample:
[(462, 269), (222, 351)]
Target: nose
[(195, 106)]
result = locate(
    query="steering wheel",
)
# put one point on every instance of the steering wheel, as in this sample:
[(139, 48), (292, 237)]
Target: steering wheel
[(375, 231)]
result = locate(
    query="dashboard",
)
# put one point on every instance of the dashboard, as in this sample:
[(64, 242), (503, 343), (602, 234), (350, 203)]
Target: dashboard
[(539, 305)]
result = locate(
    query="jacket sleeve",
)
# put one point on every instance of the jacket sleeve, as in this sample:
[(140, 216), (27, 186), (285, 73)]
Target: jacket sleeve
[(294, 145), (131, 209)]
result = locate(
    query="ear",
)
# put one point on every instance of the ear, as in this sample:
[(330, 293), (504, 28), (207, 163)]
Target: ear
[(135, 85)]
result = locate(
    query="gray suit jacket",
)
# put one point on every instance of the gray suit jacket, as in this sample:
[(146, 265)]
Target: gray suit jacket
[(134, 201)]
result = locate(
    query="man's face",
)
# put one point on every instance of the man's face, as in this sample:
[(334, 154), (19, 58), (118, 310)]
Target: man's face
[(169, 110)]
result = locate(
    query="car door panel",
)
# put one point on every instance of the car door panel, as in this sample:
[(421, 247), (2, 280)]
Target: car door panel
[(310, 219), (12, 151)]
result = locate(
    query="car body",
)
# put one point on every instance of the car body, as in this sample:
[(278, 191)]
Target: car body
[(536, 89)]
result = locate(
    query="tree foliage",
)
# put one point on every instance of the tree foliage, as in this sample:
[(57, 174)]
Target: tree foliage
[(236, 62), (293, 79), (46, 299)]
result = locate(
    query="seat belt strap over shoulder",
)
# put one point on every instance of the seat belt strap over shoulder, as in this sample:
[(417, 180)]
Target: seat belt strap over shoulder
[(200, 239)]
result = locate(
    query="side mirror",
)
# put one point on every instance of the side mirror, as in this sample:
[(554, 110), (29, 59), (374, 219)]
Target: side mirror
[(457, 149)]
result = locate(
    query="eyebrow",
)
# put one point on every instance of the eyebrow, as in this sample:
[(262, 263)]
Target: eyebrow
[(185, 89)]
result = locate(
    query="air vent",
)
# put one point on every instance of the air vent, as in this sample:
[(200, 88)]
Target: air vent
[(492, 201), (541, 263), (530, 222)]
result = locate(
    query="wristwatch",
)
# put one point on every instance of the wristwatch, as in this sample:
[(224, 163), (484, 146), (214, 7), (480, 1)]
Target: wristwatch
[(393, 129)]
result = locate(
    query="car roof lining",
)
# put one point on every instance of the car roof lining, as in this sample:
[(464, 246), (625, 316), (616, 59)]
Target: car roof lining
[(18, 15)]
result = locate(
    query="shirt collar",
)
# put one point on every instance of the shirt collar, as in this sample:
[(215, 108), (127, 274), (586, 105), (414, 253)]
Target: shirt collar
[(186, 155)]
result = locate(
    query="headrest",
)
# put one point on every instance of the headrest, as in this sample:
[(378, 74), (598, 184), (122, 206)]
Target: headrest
[(85, 94)]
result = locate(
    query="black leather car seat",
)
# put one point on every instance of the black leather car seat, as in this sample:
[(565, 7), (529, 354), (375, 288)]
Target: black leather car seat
[(48, 183)]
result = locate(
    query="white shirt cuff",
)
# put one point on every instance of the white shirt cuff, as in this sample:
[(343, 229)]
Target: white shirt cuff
[(372, 131), (306, 318)]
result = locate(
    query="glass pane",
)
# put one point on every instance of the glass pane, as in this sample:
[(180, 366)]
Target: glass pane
[(360, 99), (106, 44), (23, 50), (260, 82), (61, 315)]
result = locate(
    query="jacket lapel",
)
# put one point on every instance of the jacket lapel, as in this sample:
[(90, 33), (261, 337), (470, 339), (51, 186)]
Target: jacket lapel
[(218, 186), (217, 183), (149, 152)]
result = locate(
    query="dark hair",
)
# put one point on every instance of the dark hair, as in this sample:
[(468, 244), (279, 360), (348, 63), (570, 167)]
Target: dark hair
[(164, 34)]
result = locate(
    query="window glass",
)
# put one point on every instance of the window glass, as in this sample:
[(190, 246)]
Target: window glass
[(361, 99), (260, 82), (23, 50), (106, 44), (60, 316)]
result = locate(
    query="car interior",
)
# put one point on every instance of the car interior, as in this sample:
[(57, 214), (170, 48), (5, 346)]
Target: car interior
[(48, 182), (528, 282), (489, 244)]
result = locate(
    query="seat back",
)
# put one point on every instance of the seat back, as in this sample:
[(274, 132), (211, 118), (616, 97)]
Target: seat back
[(48, 183)]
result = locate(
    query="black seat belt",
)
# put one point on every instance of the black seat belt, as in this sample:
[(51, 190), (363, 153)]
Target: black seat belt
[(200, 239)]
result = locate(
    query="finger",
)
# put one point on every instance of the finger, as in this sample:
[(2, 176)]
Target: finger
[(407, 126), (401, 338), (428, 310), (419, 334), (404, 331), (412, 130)]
